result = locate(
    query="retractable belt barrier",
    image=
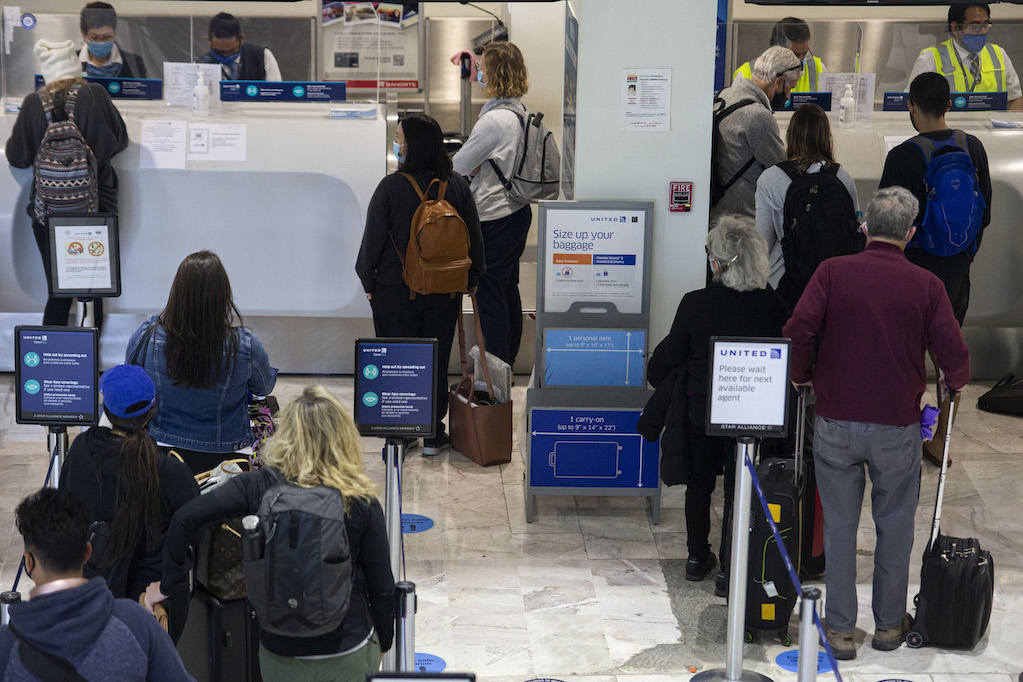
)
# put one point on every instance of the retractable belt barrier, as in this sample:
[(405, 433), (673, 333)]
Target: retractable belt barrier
[(793, 575)]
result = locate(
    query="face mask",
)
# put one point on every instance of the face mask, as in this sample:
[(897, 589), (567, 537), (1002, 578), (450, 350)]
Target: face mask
[(226, 61), (479, 77), (779, 101), (397, 152), (974, 43), (101, 50)]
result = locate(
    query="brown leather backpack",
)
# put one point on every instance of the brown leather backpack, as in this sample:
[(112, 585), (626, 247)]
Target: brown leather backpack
[(437, 257)]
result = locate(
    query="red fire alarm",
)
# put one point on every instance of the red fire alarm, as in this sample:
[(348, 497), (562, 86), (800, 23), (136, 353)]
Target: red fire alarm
[(680, 197)]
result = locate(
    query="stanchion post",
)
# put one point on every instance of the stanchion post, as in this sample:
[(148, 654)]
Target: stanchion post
[(807, 671), (394, 454), (405, 627), (87, 312), (741, 501), (57, 443), (6, 599)]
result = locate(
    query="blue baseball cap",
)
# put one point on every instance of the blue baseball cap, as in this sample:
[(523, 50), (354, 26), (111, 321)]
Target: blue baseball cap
[(127, 391)]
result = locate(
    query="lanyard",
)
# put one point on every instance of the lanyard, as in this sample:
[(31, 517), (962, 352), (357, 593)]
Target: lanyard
[(976, 78)]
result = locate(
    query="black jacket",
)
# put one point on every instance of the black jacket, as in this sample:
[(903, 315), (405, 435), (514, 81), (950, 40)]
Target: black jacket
[(101, 125), (131, 65), (90, 474), (372, 603), (253, 66)]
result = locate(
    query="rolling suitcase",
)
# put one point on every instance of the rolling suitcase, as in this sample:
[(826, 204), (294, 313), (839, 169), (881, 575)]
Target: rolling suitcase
[(953, 607), (770, 594), (220, 642), (811, 560)]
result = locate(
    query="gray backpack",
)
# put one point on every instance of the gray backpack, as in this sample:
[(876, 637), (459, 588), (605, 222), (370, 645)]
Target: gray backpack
[(65, 171), (537, 172), (302, 584)]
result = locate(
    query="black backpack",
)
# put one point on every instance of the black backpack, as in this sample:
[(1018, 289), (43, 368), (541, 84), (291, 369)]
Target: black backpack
[(719, 185), (819, 223)]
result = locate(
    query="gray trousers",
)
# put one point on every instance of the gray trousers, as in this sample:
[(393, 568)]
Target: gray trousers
[(843, 451)]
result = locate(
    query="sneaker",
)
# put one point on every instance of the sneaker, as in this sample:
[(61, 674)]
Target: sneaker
[(434, 446), (697, 569), (889, 640), (843, 646), (721, 585)]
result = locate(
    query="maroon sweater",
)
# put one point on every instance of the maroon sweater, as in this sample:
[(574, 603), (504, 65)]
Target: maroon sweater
[(871, 317)]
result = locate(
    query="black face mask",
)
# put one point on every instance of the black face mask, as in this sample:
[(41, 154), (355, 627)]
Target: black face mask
[(779, 100)]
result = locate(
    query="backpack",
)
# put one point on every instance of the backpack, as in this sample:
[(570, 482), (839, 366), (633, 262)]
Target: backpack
[(955, 206), (65, 172), (819, 222), (718, 185), (99, 564), (537, 172), (437, 256), (301, 585)]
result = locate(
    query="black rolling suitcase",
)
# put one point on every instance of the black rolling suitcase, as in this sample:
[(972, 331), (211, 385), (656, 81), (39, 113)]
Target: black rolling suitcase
[(770, 594), (811, 561), (956, 582), (220, 642)]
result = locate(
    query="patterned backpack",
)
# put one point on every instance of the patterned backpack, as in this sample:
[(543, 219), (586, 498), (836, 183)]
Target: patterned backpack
[(66, 179)]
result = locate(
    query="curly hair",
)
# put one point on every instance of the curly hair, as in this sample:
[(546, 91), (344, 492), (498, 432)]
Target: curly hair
[(504, 70)]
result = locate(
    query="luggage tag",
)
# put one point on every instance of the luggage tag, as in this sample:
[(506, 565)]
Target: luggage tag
[(770, 589)]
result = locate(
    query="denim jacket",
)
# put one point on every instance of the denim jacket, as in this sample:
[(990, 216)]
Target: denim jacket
[(204, 419)]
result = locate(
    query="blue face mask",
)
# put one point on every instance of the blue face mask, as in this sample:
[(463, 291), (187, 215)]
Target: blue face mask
[(974, 43), (226, 61), (397, 152), (479, 77), (101, 50)]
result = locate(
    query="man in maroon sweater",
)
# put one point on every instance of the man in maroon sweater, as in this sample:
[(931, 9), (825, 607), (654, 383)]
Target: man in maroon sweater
[(871, 317)]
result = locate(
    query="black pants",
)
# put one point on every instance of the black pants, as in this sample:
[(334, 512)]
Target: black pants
[(57, 309), (958, 289), (709, 455), (498, 295), (425, 316)]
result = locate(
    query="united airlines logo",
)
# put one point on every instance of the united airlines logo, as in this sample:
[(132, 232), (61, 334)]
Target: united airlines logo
[(776, 353)]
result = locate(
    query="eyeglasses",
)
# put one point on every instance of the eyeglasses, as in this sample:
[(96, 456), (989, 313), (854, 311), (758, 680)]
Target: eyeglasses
[(721, 262), (975, 29), (97, 38)]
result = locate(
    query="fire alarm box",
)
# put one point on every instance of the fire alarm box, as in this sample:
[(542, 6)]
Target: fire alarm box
[(680, 197)]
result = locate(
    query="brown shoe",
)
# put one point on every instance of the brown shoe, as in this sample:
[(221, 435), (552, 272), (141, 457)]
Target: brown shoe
[(889, 640), (843, 646)]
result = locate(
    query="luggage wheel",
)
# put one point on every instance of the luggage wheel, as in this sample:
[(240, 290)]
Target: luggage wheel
[(784, 638), (748, 636), (916, 600), (914, 640)]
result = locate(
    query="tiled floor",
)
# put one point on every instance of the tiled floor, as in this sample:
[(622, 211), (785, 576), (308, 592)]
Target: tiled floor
[(594, 590)]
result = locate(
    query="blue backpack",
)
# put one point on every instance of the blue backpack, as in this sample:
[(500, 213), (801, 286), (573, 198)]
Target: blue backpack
[(955, 206)]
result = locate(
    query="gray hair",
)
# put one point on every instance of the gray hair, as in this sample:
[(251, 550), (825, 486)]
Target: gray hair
[(777, 61), (891, 212), (741, 250)]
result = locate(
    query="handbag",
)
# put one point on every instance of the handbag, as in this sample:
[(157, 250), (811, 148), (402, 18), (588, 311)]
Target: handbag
[(481, 427), (218, 558)]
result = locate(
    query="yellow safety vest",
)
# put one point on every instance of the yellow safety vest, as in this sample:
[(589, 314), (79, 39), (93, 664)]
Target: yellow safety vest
[(992, 68), (808, 80)]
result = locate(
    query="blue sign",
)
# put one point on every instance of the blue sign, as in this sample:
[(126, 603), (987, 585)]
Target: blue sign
[(288, 91), (821, 99), (394, 387), (57, 376), (980, 101), (895, 101), (415, 523), (593, 357), (789, 660), (587, 448), (428, 663), (124, 88)]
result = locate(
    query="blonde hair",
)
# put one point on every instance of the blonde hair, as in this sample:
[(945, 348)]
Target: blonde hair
[(504, 70), (317, 444)]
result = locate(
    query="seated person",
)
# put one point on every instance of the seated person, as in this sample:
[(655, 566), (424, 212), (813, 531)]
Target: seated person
[(102, 57), (124, 479), (239, 61), (967, 60), (794, 34), (72, 618)]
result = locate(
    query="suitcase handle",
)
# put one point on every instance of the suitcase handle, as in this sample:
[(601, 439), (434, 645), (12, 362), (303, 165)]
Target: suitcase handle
[(939, 497), (797, 450)]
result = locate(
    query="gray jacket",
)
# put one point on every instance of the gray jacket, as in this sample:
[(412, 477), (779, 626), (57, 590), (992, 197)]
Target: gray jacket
[(495, 136), (750, 131)]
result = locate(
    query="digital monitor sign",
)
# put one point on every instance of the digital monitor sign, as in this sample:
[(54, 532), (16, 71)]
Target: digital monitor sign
[(57, 375), (394, 385)]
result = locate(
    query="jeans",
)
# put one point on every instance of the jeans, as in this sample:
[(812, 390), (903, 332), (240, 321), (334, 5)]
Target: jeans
[(500, 311), (843, 452)]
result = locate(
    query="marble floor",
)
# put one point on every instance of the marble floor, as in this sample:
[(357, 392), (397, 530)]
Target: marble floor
[(593, 590)]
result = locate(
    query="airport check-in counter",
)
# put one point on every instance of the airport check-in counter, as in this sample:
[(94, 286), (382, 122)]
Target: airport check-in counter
[(994, 323), (287, 223)]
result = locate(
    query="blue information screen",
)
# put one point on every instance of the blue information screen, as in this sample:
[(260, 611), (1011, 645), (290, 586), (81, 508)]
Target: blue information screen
[(288, 91), (590, 448), (594, 357), (394, 386), (57, 371)]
